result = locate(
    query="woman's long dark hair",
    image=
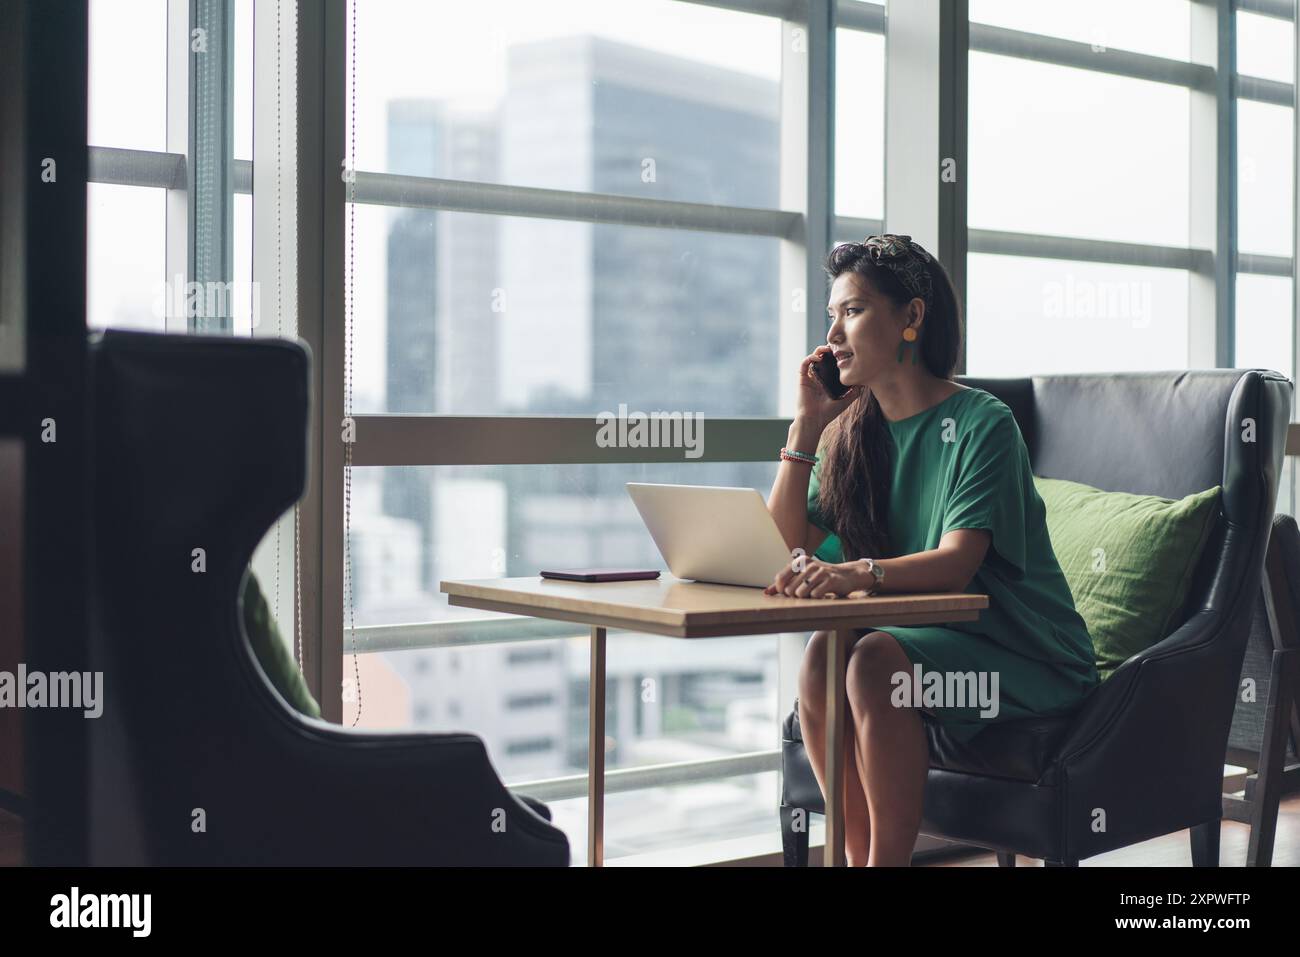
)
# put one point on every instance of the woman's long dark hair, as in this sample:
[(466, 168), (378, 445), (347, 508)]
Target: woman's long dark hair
[(857, 462)]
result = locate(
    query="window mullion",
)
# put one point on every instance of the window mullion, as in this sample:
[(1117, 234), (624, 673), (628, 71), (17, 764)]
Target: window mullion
[(176, 265), (210, 53)]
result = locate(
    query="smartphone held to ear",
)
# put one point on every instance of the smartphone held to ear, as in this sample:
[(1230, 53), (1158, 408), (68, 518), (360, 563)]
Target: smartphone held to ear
[(828, 373)]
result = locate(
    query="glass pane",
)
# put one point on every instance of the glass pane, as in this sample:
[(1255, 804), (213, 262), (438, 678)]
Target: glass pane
[(1264, 180), (1070, 152), (243, 78), (859, 124), (243, 291), (1159, 27), (636, 98), (415, 526), (1043, 316), (1264, 323), (669, 700), (683, 825), (128, 74), (126, 260), (1265, 47), (488, 314)]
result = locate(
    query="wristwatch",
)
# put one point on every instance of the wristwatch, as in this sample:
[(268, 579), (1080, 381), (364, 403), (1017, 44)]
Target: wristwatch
[(877, 576)]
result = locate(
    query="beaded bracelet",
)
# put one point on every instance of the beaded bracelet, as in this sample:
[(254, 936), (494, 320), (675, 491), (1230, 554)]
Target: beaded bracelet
[(790, 455)]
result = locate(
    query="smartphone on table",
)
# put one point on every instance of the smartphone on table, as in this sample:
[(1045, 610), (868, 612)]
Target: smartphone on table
[(601, 574)]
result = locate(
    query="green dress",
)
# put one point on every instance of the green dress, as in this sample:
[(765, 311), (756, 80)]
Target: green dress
[(963, 464)]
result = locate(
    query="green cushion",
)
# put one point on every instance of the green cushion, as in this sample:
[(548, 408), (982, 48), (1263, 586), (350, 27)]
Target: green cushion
[(1128, 559), (270, 649)]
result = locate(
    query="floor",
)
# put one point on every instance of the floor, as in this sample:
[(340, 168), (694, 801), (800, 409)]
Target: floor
[(1172, 850)]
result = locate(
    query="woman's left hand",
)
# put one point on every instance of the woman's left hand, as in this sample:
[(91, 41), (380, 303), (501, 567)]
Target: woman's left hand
[(807, 577)]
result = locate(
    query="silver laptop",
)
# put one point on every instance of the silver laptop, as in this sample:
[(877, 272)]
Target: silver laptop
[(709, 534)]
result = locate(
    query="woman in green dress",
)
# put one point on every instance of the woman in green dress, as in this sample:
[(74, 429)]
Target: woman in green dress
[(913, 483)]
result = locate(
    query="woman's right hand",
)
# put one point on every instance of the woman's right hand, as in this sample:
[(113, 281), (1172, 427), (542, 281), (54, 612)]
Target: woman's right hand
[(814, 407)]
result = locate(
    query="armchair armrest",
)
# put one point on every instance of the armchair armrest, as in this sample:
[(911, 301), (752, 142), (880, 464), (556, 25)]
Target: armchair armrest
[(379, 797), (1156, 723)]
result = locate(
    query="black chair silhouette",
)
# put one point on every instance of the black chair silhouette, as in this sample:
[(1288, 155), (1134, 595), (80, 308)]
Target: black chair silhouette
[(1265, 735), (1144, 755), (201, 442)]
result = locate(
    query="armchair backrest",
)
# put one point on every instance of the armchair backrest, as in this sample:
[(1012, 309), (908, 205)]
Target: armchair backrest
[(1149, 744), (1168, 434), (200, 442)]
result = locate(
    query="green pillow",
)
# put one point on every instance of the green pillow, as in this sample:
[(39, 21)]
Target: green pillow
[(272, 655), (1128, 560)]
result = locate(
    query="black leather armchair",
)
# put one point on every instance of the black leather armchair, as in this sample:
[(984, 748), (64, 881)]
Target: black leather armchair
[(1148, 746), (201, 442)]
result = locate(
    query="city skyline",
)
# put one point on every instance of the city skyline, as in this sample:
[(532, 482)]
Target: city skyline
[(447, 349)]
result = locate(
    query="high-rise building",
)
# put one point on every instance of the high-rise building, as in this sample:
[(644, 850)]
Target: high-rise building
[(441, 269), (592, 315), (601, 313)]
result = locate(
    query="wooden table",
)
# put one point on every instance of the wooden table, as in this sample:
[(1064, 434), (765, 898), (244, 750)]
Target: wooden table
[(681, 609)]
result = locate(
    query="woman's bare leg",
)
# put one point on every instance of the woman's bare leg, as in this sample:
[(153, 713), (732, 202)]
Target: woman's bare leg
[(895, 755), (812, 723)]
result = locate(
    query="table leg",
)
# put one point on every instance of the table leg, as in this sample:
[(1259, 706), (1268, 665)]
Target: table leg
[(596, 752), (836, 719)]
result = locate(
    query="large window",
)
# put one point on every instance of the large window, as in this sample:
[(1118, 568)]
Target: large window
[(140, 202), (1067, 152), (126, 245), (1131, 197), (626, 199), (1081, 187), (1122, 146)]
